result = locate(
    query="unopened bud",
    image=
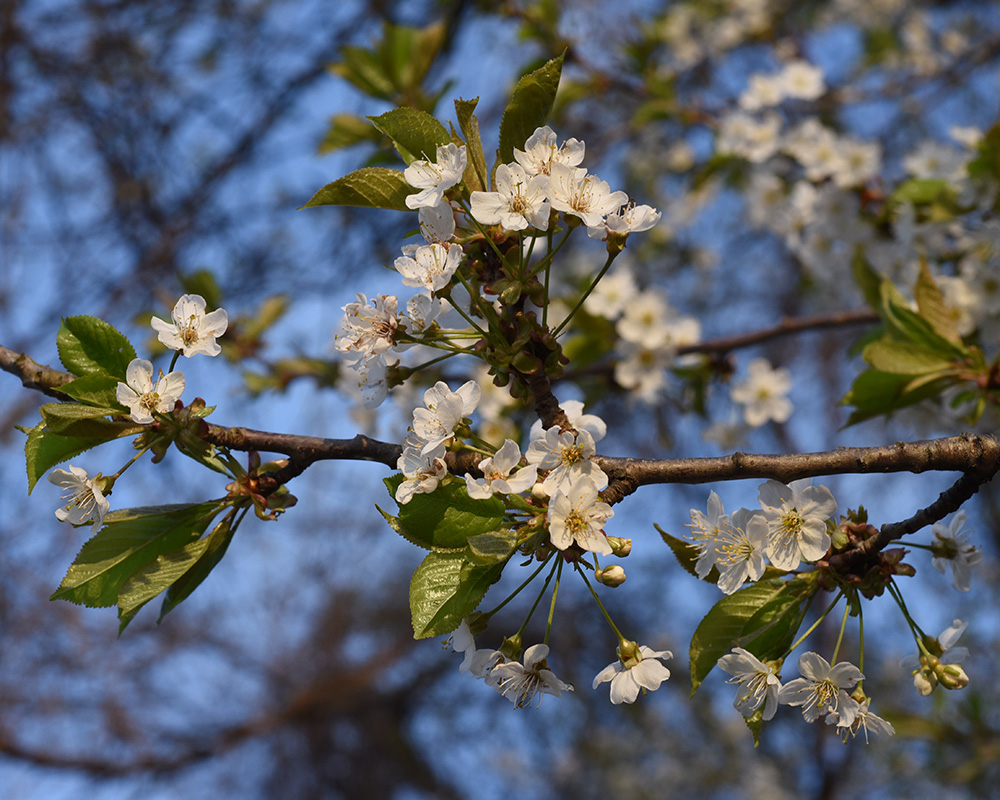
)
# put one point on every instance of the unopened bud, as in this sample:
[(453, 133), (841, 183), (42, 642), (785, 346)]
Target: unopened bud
[(620, 547), (611, 576), (952, 676), (925, 680)]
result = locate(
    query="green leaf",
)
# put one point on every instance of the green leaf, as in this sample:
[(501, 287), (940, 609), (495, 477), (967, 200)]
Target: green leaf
[(867, 279), (369, 187), (875, 393), (445, 588), (489, 548), (93, 390), (155, 578), (932, 307), (921, 191), (364, 70), (446, 518), (217, 545), (529, 107), (73, 419), (347, 130), (44, 449), (685, 552), (88, 345), (416, 134), (756, 618), (130, 539), (901, 357), (476, 177), (903, 322)]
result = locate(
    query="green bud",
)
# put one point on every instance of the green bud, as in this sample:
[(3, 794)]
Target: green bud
[(611, 576), (952, 676), (925, 680), (620, 547)]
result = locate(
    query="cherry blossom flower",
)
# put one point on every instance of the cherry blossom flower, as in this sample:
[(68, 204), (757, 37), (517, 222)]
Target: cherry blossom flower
[(520, 201), (423, 469), (87, 502), (801, 80), (192, 331), (574, 192), (519, 683), (421, 311), (367, 329), (573, 409), (797, 515), (744, 136), (821, 690), (443, 410), (707, 527), (435, 178), (763, 393), (740, 550), (866, 721), (952, 549), (437, 223), (641, 670), (430, 267), (567, 454), (497, 474), (541, 152), (758, 682), (577, 515), (373, 381), (141, 397)]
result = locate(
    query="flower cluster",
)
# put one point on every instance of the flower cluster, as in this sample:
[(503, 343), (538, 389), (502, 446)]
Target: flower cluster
[(544, 180), (422, 460), (822, 691), (790, 527), (192, 331)]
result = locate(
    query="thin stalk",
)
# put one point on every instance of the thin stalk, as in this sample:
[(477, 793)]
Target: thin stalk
[(586, 294)]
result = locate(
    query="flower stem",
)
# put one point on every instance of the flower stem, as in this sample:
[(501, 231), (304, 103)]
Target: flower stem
[(517, 591), (538, 599), (586, 294), (552, 605), (600, 605), (815, 625), (840, 636)]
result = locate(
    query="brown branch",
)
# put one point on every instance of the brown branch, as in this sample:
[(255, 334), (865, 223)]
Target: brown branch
[(786, 327), (976, 455), (33, 375), (964, 453)]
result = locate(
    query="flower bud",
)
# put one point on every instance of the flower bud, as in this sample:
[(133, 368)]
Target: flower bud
[(629, 653), (620, 547), (925, 680), (611, 576), (952, 676)]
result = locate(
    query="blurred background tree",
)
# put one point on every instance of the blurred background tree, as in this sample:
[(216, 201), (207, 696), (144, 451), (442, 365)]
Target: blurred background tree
[(148, 149)]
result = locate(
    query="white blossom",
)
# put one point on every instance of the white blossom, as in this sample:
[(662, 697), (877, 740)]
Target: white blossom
[(497, 474), (821, 690), (143, 398), (644, 672), (952, 549), (740, 550), (567, 455), (763, 394), (519, 202), (519, 683), (575, 192), (541, 152), (431, 266), (576, 515), (86, 501), (423, 469), (367, 329), (796, 515), (867, 722), (443, 410), (192, 331), (435, 178), (758, 682), (437, 223)]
